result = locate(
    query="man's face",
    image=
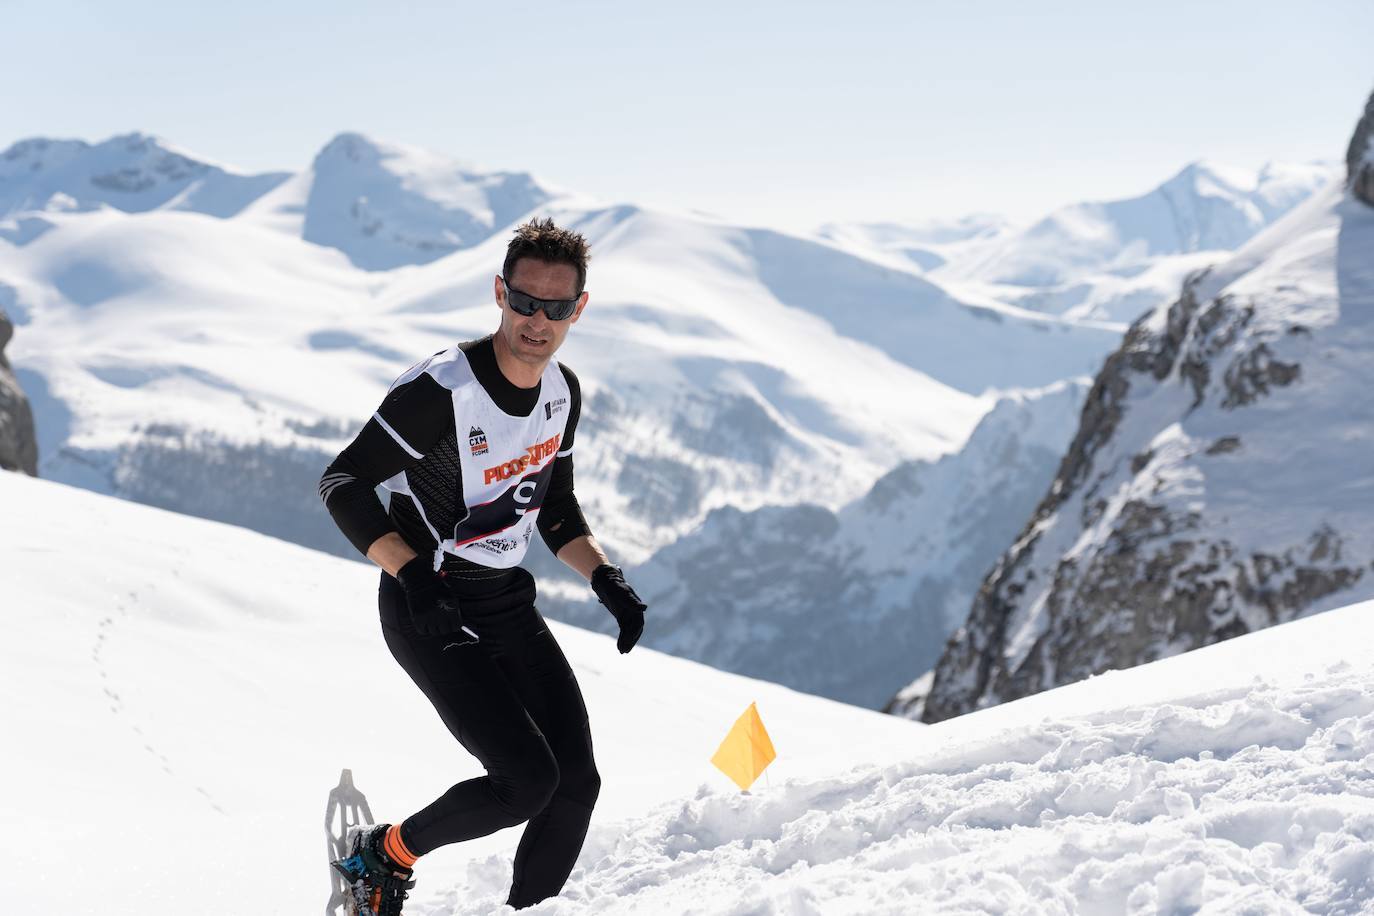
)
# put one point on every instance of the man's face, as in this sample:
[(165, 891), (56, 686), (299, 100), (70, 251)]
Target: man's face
[(535, 338)]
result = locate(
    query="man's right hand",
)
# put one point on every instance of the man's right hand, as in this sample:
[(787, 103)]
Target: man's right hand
[(433, 608)]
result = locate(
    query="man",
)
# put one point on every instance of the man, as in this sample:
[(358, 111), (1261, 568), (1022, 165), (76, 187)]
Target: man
[(475, 446)]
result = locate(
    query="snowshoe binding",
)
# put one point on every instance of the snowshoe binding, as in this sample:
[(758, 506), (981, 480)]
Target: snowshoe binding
[(377, 886)]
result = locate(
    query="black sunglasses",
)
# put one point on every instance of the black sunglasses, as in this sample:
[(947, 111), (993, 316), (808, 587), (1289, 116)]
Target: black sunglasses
[(525, 304)]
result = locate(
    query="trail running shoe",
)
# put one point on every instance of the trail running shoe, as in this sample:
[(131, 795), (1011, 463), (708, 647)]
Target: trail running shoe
[(377, 885)]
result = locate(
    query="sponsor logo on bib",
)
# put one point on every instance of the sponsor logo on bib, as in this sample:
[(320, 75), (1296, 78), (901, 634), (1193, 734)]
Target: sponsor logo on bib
[(477, 441), (534, 456), (497, 545), (553, 407)]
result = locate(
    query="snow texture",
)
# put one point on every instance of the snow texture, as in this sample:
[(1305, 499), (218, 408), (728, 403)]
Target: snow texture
[(1254, 795), (220, 676), (194, 688)]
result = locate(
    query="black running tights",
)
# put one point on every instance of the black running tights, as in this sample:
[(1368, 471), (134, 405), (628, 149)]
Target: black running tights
[(513, 702)]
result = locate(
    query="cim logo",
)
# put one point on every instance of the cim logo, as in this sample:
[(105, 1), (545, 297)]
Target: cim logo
[(534, 456)]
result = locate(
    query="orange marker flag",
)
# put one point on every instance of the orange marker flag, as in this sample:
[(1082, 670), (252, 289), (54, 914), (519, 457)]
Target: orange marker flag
[(746, 750)]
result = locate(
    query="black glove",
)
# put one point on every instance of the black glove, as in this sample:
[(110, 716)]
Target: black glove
[(609, 584), (433, 608)]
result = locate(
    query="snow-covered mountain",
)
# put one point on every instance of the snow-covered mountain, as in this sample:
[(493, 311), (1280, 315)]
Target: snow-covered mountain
[(839, 603), (214, 366), (1116, 260), (134, 173), (1219, 481), (927, 245), (200, 682), (385, 205), (1205, 207)]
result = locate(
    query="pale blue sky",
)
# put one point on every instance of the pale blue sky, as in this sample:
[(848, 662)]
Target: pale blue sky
[(794, 112)]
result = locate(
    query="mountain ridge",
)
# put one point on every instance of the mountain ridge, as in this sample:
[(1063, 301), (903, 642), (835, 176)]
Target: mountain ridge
[(1151, 541)]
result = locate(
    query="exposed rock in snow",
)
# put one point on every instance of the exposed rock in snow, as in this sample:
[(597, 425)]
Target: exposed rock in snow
[(1218, 483), (18, 445), (1359, 159)]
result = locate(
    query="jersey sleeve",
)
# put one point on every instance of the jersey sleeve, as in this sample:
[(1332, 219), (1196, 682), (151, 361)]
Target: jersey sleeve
[(560, 518), (409, 421)]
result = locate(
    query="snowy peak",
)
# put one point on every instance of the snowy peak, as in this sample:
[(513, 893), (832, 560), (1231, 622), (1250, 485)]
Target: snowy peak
[(385, 205), (133, 172), (1205, 207), (350, 147)]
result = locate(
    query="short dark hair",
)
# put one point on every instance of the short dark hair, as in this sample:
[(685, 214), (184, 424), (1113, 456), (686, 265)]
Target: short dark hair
[(543, 241)]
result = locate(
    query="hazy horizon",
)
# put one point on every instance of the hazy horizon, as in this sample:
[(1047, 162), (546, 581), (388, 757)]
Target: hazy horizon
[(779, 114)]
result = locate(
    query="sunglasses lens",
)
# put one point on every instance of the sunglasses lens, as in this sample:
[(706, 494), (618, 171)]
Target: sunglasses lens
[(556, 309), (521, 303), (559, 309)]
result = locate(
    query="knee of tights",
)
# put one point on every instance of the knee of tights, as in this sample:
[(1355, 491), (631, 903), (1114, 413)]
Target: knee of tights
[(528, 793), (582, 784)]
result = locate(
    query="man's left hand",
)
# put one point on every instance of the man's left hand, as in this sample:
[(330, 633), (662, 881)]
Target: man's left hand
[(609, 584)]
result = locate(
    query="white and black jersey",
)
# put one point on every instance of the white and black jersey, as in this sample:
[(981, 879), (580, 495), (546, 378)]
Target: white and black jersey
[(473, 463)]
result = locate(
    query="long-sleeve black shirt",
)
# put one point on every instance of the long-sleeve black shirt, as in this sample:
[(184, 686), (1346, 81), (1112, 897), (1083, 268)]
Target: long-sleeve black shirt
[(420, 413)]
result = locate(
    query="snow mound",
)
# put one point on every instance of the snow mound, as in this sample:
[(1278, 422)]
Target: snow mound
[(1253, 795)]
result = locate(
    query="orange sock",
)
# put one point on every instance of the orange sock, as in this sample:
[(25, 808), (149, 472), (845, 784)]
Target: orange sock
[(395, 847)]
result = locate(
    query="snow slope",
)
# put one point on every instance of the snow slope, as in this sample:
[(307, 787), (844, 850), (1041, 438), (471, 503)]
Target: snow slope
[(180, 695), (927, 245), (1219, 481), (1193, 784), (191, 720), (1232, 779)]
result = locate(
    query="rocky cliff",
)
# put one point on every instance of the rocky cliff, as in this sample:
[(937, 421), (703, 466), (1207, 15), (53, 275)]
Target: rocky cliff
[(18, 447), (1359, 159), (1219, 481)]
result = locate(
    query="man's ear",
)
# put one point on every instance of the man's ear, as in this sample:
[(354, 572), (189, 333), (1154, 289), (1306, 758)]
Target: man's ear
[(498, 290), (581, 304)]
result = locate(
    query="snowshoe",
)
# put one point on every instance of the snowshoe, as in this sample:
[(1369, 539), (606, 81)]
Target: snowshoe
[(377, 886)]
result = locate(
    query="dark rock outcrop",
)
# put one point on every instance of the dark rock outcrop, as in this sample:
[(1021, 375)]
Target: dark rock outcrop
[(1214, 486), (18, 446), (1359, 159)]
